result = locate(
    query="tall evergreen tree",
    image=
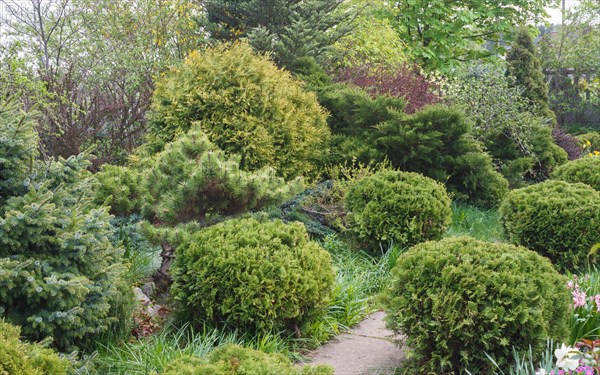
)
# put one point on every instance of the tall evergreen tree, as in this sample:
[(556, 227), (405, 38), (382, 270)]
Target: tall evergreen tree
[(525, 66)]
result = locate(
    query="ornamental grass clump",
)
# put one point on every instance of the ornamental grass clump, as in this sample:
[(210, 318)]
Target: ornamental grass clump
[(557, 219), (460, 301), (585, 170), (403, 207), (256, 276)]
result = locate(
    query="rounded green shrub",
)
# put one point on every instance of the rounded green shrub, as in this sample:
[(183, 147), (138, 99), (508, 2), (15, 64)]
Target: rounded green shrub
[(557, 219), (585, 170), (246, 106), (459, 298), (20, 358), (403, 207), (121, 188), (234, 359), (259, 276)]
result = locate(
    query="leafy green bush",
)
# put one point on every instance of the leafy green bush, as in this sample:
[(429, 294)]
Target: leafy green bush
[(258, 276), (19, 358), (557, 219), (192, 178), (585, 170), (60, 276), (234, 359), (460, 298), (437, 142), (403, 207), (245, 105), (121, 188), (590, 141)]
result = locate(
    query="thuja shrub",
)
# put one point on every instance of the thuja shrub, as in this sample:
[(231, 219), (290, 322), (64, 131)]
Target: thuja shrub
[(403, 207), (192, 180), (246, 106), (21, 358), (60, 276), (585, 170), (557, 219), (121, 188), (233, 359), (459, 299), (436, 141), (258, 276)]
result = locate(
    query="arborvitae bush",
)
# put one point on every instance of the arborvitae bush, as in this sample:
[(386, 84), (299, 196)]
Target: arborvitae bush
[(403, 207), (192, 179), (245, 105), (59, 274), (459, 299), (437, 142), (233, 359), (121, 188), (585, 170), (557, 219), (20, 358), (257, 276)]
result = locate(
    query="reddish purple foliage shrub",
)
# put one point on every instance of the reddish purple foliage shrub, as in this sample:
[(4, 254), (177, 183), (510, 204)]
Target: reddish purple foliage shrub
[(405, 81), (567, 142)]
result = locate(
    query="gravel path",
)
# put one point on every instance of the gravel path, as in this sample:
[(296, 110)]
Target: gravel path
[(366, 349)]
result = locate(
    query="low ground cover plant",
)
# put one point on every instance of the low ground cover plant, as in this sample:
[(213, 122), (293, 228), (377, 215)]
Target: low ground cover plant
[(557, 219), (459, 298)]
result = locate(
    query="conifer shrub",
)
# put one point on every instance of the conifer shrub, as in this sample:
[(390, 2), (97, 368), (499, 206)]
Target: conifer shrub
[(21, 358), (585, 170), (459, 298), (403, 207), (233, 359), (437, 142), (246, 106), (258, 276), (193, 179), (557, 219), (121, 188), (60, 276)]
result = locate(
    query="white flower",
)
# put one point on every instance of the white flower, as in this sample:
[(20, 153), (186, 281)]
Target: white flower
[(567, 358), (540, 372)]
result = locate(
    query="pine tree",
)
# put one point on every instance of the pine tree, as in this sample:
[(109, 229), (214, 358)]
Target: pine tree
[(59, 274), (526, 68)]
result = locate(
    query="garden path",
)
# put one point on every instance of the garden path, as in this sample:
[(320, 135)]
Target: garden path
[(366, 349)]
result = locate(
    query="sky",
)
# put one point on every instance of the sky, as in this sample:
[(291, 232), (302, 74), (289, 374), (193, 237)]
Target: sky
[(555, 14)]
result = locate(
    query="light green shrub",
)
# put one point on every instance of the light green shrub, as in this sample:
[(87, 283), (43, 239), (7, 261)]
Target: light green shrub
[(246, 106), (403, 207), (121, 188), (585, 170), (459, 298), (193, 179), (259, 276), (233, 359), (557, 219), (20, 358)]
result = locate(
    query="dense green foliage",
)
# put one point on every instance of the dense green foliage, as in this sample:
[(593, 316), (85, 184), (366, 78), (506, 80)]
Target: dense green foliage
[(525, 66), (585, 170), (19, 358), (260, 276), (519, 141), (590, 141), (192, 178), (234, 359), (60, 276), (557, 219), (121, 188), (437, 142), (245, 105), (402, 207), (460, 298)]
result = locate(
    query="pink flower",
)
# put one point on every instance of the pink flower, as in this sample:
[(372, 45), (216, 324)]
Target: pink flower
[(597, 300), (570, 285), (579, 298)]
